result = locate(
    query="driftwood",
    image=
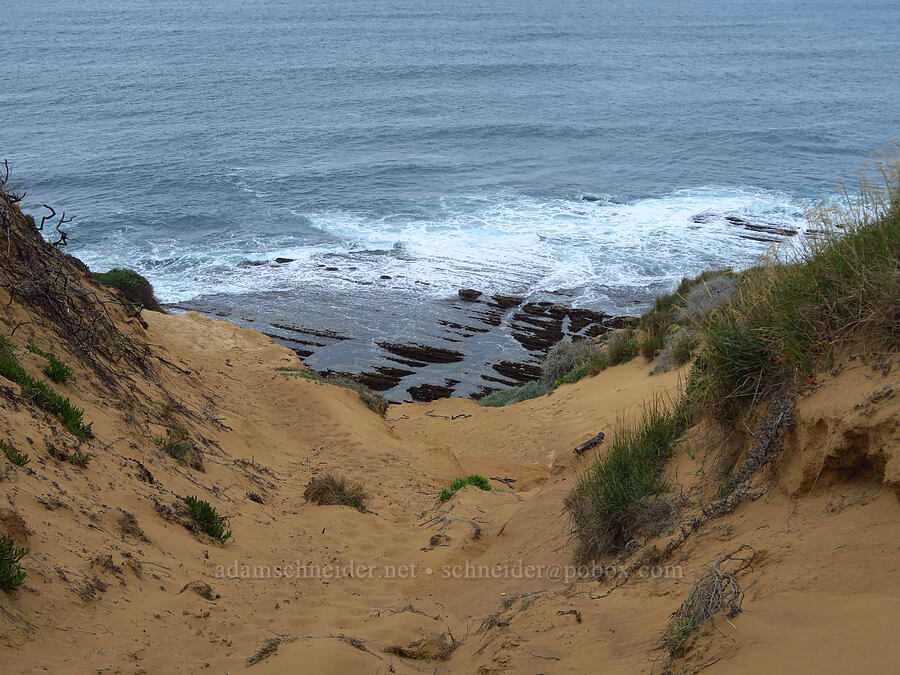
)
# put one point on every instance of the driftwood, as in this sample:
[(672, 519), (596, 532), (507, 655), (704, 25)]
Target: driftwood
[(587, 445)]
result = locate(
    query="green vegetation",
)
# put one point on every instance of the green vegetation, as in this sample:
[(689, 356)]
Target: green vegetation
[(330, 490), (622, 346), (30, 220), (671, 308), (373, 402), (58, 406), (618, 495), (13, 455), (11, 573), (132, 285), (675, 639), (79, 459), (757, 333), (457, 483), (178, 444), (207, 518), (524, 392), (56, 370)]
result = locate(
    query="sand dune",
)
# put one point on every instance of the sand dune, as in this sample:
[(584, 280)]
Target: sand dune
[(480, 583)]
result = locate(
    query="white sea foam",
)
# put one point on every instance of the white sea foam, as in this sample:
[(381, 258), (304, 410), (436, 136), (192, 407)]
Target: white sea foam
[(510, 244)]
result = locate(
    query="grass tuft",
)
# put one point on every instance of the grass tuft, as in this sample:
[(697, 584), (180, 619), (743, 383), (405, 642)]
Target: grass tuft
[(504, 397), (621, 347), (180, 445), (618, 496), (207, 518), (330, 490), (79, 459), (473, 479), (13, 455), (11, 573)]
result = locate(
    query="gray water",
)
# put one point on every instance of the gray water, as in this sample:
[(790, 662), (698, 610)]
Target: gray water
[(444, 145)]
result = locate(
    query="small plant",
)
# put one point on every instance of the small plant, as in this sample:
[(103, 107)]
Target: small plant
[(330, 490), (39, 392), (11, 573), (621, 347), (474, 480), (504, 397), (207, 518), (79, 459), (180, 445), (13, 455), (56, 370), (650, 344), (683, 348)]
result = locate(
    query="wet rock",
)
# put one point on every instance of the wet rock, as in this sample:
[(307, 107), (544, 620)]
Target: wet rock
[(432, 392), (331, 269), (423, 352), (507, 301), (386, 277), (382, 378), (520, 372), (469, 294), (281, 261)]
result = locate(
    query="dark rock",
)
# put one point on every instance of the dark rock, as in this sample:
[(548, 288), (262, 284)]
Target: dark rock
[(432, 392), (331, 269), (423, 352), (469, 294), (505, 383), (311, 331), (520, 372), (386, 276), (382, 378), (284, 260), (507, 301), (590, 198)]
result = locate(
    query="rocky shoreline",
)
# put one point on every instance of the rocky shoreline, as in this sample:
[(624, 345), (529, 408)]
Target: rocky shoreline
[(450, 359)]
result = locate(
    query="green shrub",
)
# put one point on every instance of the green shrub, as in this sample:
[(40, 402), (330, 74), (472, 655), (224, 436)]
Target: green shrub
[(683, 348), (58, 406), (79, 459), (592, 364), (650, 344), (474, 479), (11, 573), (56, 370), (132, 285), (178, 444), (330, 490), (564, 356), (373, 401), (621, 347), (13, 455), (524, 392), (618, 496), (207, 518), (674, 307)]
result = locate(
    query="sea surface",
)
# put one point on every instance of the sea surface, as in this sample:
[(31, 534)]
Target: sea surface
[(592, 153)]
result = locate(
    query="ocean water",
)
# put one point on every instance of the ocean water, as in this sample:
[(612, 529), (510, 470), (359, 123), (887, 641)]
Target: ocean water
[(443, 145)]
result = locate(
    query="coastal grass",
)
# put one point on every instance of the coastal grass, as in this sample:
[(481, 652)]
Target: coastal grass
[(132, 285), (332, 490), (759, 333), (11, 573), (56, 370), (619, 494), (621, 347), (71, 417), (838, 290), (13, 455), (206, 517), (79, 458), (181, 446), (474, 480), (372, 401), (524, 392)]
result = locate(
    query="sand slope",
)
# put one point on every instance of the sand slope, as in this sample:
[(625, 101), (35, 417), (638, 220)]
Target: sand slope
[(116, 583)]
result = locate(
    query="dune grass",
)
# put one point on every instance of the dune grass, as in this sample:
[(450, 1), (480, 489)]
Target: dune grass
[(839, 290), (473, 479), (331, 490)]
